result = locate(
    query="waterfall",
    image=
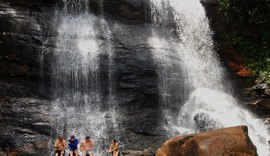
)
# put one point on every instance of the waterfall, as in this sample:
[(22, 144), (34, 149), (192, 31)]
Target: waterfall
[(76, 6), (79, 108), (209, 103)]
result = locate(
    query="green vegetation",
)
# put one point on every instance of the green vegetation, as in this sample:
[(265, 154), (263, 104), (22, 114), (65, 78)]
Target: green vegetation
[(255, 14)]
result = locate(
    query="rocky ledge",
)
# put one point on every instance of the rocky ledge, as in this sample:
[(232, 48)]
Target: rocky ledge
[(257, 98)]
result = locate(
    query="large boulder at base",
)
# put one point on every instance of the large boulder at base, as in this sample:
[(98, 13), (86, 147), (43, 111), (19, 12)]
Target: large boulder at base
[(228, 141)]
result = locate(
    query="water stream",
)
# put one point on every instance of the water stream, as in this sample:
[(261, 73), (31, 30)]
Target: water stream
[(79, 108), (195, 91), (210, 103)]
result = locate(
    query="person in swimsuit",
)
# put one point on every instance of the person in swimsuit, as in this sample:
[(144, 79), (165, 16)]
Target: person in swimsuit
[(73, 146), (86, 147), (60, 146), (114, 148)]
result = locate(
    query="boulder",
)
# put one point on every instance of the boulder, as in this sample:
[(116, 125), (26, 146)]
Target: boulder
[(227, 141), (205, 123)]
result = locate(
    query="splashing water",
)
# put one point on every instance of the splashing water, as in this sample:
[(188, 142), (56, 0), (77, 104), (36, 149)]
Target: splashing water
[(76, 60), (76, 76), (210, 104), (216, 109), (76, 6)]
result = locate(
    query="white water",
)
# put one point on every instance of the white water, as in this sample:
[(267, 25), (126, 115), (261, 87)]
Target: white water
[(207, 86), (76, 6), (76, 76), (223, 111), (76, 65), (78, 109)]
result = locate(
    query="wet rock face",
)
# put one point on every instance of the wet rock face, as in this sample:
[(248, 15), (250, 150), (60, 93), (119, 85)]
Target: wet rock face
[(24, 31), (257, 98), (131, 9), (227, 141), (28, 32), (24, 126), (24, 122), (205, 123), (136, 87)]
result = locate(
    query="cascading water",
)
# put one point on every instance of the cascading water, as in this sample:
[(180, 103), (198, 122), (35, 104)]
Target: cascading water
[(76, 6), (210, 104), (170, 75), (168, 60), (79, 107)]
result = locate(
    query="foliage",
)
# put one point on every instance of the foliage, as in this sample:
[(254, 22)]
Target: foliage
[(257, 55), (257, 14), (242, 11)]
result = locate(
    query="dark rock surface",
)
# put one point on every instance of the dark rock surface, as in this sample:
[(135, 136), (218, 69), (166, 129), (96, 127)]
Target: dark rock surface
[(24, 33), (25, 125), (131, 9), (257, 98), (205, 123), (136, 86), (28, 31)]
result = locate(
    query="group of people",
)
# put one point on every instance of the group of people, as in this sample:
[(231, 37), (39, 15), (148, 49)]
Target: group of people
[(86, 147)]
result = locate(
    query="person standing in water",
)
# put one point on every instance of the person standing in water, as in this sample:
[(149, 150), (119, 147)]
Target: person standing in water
[(60, 146), (86, 147), (73, 146), (114, 148)]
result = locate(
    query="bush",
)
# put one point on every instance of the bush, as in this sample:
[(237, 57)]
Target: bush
[(257, 14)]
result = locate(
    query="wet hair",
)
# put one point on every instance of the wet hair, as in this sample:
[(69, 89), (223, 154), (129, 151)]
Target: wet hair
[(114, 140), (60, 137), (72, 137), (88, 137)]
